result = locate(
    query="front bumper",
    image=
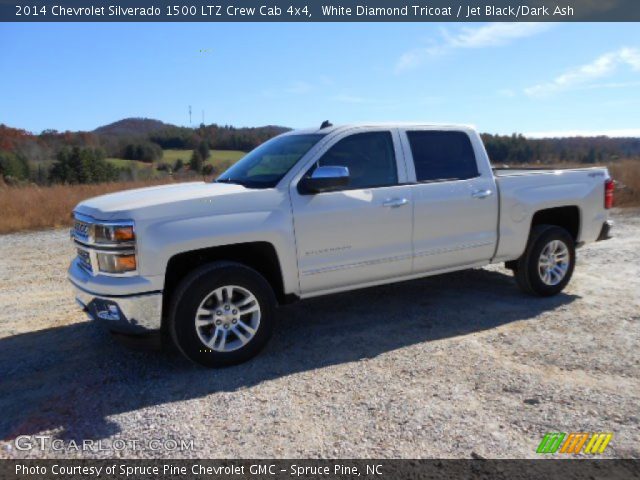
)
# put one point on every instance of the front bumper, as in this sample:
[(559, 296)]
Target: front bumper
[(131, 314)]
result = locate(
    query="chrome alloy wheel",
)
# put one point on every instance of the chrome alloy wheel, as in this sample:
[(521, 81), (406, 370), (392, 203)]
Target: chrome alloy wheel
[(553, 263), (228, 318)]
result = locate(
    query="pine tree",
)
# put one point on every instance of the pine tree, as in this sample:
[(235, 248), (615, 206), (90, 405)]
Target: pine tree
[(196, 162)]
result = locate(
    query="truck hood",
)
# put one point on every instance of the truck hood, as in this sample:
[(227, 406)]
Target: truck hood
[(129, 203)]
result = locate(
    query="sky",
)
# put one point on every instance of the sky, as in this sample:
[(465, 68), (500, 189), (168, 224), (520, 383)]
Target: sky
[(537, 79)]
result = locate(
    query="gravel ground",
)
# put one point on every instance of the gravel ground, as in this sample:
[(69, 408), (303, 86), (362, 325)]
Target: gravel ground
[(460, 365)]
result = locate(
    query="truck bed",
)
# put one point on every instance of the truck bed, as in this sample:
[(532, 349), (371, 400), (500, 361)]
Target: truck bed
[(506, 172), (523, 191)]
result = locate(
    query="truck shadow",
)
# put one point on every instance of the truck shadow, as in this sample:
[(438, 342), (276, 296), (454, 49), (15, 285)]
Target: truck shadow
[(71, 380)]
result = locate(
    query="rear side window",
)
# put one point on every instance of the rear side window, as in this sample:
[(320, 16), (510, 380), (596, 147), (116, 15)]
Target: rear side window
[(440, 155), (368, 156)]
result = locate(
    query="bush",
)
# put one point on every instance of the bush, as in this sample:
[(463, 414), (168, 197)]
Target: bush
[(208, 170), (178, 165)]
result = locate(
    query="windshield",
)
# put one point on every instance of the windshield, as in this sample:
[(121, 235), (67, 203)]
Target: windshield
[(265, 166)]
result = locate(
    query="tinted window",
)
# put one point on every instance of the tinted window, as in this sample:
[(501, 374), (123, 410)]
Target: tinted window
[(265, 166), (442, 155), (368, 156)]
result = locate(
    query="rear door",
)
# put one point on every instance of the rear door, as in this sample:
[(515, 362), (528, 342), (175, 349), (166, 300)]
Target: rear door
[(362, 233), (455, 203)]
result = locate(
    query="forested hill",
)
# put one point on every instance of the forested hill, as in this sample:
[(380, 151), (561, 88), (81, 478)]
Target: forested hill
[(131, 138), (24, 155), (132, 127)]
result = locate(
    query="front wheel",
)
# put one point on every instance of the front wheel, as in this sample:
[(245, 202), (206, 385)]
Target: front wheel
[(222, 314), (547, 264)]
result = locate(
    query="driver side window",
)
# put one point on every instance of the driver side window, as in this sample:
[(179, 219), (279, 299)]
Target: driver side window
[(369, 157)]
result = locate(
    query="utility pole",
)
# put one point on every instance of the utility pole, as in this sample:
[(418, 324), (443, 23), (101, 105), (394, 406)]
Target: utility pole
[(189, 115)]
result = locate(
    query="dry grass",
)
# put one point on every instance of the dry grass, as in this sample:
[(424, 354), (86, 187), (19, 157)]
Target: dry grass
[(35, 208), (627, 175)]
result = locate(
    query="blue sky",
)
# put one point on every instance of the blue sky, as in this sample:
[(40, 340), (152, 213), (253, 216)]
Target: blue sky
[(533, 78)]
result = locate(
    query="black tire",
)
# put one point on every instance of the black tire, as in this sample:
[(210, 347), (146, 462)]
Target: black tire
[(195, 288), (528, 275)]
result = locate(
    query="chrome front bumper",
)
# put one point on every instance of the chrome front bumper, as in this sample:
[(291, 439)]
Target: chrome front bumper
[(133, 314)]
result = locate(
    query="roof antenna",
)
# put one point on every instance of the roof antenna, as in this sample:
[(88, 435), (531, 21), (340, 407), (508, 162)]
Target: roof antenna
[(326, 124)]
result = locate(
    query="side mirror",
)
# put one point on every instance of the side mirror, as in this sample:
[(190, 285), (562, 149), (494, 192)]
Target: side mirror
[(324, 179)]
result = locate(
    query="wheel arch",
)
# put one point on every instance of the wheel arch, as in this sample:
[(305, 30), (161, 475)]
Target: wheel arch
[(567, 217), (260, 256)]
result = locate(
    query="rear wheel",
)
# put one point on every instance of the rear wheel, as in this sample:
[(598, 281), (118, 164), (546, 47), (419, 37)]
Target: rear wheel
[(222, 314), (547, 264)]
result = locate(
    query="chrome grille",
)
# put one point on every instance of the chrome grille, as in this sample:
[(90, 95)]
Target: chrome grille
[(84, 258), (81, 229)]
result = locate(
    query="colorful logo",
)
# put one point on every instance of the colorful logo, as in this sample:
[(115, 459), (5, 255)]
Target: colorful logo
[(593, 443)]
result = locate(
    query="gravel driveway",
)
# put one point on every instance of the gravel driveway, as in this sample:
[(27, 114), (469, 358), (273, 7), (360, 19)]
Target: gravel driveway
[(458, 365)]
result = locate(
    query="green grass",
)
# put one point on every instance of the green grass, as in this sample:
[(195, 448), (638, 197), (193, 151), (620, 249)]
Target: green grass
[(220, 159), (123, 163), (223, 159), (230, 155), (170, 156)]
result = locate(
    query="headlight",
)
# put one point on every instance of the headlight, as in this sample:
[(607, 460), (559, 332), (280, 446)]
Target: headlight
[(105, 247), (114, 233), (116, 262)]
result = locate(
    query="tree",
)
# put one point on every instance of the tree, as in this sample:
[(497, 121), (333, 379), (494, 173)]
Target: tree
[(82, 165), (196, 162), (13, 165), (178, 165), (203, 149), (143, 151)]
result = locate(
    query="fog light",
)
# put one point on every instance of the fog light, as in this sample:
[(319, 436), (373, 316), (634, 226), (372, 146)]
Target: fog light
[(116, 263), (106, 310)]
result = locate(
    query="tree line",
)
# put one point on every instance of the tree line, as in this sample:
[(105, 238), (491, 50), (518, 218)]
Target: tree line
[(517, 149), (80, 157)]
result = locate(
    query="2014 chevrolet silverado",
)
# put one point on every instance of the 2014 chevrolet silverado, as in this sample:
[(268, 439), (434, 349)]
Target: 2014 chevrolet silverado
[(319, 211)]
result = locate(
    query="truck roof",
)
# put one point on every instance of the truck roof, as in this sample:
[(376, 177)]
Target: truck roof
[(364, 125)]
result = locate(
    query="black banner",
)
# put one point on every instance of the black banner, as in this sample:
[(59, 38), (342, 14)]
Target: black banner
[(325, 469), (319, 11)]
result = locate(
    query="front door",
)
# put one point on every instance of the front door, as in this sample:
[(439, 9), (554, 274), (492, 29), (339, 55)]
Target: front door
[(362, 233)]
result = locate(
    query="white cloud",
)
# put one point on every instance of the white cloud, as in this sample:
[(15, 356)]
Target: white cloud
[(584, 75), (621, 132), (489, 35), (493, 34)]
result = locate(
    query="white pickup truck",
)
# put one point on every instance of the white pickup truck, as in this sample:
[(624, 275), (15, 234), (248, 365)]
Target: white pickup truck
[(318, 211)]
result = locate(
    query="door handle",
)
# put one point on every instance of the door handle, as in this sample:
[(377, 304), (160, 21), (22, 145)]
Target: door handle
[(395, 202), (481, 193)]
